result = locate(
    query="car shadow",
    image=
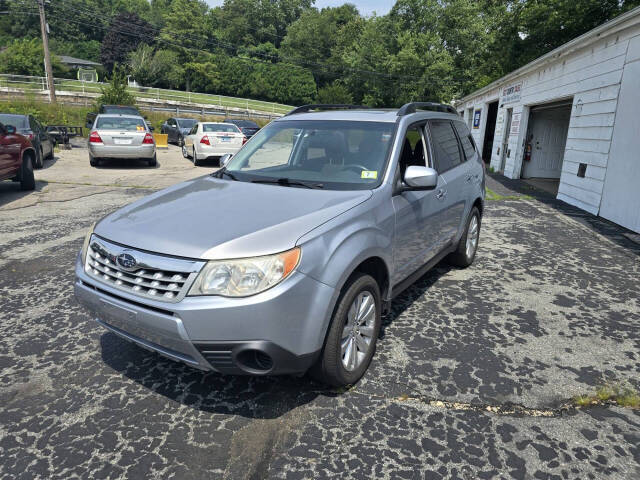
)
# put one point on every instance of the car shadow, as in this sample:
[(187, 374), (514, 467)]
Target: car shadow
[(246, 396), (413, 293), (606, 228), (125, 164), (48, 163), (10, 191)]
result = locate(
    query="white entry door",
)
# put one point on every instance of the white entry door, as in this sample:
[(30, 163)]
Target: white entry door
[(621, 194), (548, 135)]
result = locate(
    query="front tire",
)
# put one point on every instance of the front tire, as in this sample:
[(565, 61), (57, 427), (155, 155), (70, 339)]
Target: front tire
[(185, 153), (352, 336), (27, 180), (468, 245)]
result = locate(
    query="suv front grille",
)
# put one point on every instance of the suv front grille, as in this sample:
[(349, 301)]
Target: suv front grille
[(147, 275)]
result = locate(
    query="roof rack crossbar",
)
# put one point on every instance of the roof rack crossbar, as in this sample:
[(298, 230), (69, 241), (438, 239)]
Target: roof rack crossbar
[(414, 106), (320, 106)]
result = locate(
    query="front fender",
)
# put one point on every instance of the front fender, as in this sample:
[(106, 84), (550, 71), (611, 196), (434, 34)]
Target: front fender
[(332, 252)]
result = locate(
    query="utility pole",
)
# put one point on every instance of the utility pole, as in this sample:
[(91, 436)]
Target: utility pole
[(47, 55)]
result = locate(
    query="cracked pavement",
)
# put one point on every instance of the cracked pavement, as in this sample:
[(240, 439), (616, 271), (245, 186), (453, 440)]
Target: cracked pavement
[(549, 310)]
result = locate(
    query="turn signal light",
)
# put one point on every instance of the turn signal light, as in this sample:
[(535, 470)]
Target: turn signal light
[(205, 140), (148, 139), (95, 138)]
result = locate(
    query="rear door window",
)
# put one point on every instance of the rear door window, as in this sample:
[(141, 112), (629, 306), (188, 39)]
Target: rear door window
[(465, 139), (445, 145)]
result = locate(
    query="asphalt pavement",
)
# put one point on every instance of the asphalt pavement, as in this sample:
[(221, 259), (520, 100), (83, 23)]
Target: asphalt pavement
[(474, 377)]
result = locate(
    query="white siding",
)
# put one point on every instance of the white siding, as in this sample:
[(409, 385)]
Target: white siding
[(591, 75)]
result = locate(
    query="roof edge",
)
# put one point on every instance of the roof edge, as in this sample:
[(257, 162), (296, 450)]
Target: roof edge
[(591, 36)]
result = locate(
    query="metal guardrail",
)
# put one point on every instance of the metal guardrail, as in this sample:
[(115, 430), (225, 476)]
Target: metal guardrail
[(32, 84)]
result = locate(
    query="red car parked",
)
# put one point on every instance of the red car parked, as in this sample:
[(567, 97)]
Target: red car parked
[(17, 157)]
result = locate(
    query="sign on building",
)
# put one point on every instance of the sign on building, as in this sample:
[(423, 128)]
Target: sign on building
[(512, 93), (476, 118), (515, 124)]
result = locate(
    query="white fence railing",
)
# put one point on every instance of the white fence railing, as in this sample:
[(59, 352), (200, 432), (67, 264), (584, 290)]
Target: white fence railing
[(27, 84)]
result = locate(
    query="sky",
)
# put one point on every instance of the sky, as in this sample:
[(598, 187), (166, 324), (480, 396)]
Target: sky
[(365, 7)]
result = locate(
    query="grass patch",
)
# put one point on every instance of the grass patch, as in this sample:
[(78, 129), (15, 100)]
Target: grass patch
[(621, 394), (494, 197), (61, 114)]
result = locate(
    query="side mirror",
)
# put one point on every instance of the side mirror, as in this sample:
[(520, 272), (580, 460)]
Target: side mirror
[(10, 129), (420, 178), (225, 159), (151, 128)]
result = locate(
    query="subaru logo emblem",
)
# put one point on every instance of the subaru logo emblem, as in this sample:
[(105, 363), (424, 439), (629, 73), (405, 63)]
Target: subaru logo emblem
[(127, 261)]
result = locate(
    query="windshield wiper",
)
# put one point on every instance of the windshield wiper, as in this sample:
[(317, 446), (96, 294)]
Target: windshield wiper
[(289, 183), (222, 172)]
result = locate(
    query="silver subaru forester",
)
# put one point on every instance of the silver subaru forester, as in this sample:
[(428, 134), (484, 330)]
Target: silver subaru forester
[(320, 220)]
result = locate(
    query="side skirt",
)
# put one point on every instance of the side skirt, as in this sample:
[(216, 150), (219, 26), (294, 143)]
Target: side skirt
[(402, 285)]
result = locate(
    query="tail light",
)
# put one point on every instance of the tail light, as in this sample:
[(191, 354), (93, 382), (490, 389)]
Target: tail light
[(244, 140), (29, 136), (205, 140), (148, 139), (95, 138)]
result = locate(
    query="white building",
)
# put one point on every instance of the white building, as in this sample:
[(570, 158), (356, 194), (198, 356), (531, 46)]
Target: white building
[(572, 115)]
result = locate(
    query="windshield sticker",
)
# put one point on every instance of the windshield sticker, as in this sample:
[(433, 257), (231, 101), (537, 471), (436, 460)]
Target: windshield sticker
[(140, 128), (386, 137), (370, 174)]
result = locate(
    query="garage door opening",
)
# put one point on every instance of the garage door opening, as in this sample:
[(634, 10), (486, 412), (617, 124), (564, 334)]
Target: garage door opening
[(489, 131), (545, 143)]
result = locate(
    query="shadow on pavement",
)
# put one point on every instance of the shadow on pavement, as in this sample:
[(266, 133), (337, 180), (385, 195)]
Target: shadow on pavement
[(617, 234), (124, 164), (249, 397), (10, 191)]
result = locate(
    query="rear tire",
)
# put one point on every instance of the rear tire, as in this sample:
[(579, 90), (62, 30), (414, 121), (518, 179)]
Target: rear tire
[(39, 158), (93, 161), (27, 180), (153, 162), (353, 330), (468, 245), (194, 158)]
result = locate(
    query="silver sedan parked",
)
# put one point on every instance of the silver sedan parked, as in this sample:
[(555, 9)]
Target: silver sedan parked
[(121, 136)]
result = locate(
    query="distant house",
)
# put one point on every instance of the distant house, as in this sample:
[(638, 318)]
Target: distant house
[(86, 68)]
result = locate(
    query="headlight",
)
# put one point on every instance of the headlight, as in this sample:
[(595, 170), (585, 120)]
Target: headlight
[(85, 245), (244, 277)]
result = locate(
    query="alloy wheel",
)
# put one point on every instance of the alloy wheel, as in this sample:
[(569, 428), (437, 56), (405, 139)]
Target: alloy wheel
[(472, 237), (357, 333)]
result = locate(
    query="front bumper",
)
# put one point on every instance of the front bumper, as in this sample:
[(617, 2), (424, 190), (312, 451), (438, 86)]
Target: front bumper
[(122, 151), (278, 331)]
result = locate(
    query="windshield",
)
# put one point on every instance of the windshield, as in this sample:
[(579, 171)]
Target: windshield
[(126, 124), (17, 121), (340, 155), (219, 127), (186, 122)]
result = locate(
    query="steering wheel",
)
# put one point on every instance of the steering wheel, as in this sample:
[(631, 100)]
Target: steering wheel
[(354, 166)]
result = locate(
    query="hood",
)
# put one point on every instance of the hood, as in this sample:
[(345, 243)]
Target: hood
[(210, 218)]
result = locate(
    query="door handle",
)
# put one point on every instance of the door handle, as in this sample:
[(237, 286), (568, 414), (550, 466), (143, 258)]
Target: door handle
[(441, 194)]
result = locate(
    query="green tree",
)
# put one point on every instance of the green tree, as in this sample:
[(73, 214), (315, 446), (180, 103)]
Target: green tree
[(126, 32), (26, 57), (335, 93), (115, 92)]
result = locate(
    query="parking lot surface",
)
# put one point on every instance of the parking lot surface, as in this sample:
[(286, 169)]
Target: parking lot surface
[(473, 377)]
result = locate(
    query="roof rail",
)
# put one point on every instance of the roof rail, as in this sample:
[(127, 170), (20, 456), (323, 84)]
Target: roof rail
[(436, 107), (320, 106)]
